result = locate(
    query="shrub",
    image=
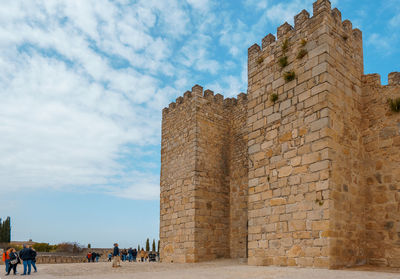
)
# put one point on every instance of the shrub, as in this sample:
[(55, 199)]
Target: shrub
[(43, 247), (283, 61), (273, 98), (260, 60), (302, 53), (394, 104), (289, 76), (303, 42)]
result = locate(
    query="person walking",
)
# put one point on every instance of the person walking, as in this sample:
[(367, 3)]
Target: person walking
[(116, 260), (6, 258), (142, 255), (25, 255), (134, 254), (14, 261), (94, 254), (130, 254), (89, 256), (33, 258)]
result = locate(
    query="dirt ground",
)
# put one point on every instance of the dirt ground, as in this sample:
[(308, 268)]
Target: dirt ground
[(219, 270)]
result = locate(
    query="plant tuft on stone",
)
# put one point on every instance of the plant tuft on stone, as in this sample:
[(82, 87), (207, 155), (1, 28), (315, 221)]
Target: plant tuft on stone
[(303, 52), (285, 45), (394, 104), (273, 98), (320, 202), (283, 61), (260, 60), (289, 76), (303, 42)]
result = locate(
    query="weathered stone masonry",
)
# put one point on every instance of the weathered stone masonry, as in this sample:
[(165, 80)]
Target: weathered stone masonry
[(312, 179)]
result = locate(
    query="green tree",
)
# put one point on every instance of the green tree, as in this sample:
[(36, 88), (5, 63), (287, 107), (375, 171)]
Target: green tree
[(8, 230), (89, 246), (147, 245), (5, 230), (153, 246), (158, 247), (138, 247)]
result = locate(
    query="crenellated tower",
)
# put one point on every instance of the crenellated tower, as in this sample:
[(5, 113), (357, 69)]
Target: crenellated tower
[(304, 147), (204, 177), (304, 170)]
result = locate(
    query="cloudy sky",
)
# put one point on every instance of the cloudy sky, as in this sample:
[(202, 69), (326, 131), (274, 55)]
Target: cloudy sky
[(82, 85)]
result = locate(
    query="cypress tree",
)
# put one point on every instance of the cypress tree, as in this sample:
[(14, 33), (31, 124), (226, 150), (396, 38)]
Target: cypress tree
[(8, 230), (1, 230), (158, 247), (5, 230), (153, 247), (147, 245), (138, 247)]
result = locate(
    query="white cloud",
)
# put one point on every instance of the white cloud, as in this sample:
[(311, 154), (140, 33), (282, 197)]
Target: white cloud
[(202, 5), (66, 112), (380, 43), (395, 21), (257, 4), (144, 187)]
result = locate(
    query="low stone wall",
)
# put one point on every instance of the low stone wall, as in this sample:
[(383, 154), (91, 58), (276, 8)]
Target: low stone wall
[(52, 259), (56, 259)]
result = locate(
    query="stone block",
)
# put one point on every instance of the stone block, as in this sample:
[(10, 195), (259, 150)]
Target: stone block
[(320, 225), (285, 171)]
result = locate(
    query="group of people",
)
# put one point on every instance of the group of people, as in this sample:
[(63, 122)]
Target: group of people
[(130, 255), (93, 257), (27, 255), (126, 255)]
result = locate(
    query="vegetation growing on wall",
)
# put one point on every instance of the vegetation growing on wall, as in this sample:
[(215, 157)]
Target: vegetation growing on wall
[(395, 104)]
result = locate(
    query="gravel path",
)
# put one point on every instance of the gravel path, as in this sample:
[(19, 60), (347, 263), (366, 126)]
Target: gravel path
[(219, 270)]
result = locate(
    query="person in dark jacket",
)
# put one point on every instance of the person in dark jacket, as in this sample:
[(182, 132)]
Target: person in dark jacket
[(134, 254), (26, 256), (94, 254), (130, 254), (33, 258), (116, 261), (14, 260)]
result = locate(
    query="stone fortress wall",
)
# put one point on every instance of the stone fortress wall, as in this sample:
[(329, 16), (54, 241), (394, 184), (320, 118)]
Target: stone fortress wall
[(310, 179), (204, 177)]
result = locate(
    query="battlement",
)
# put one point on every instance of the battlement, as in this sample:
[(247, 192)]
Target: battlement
[(304, 25), (394, 78), (374, 80), (197, 93)]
